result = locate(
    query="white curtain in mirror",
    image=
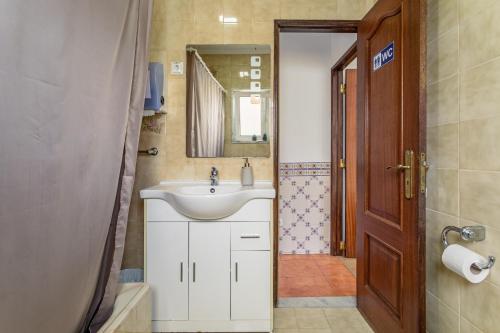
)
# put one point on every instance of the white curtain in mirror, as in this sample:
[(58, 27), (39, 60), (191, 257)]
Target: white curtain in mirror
[(205, 111)]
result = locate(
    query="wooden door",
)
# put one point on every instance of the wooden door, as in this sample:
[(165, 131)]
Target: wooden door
[(209, 275), (250, 285), (390, 279), (350, 161), (166, 269)]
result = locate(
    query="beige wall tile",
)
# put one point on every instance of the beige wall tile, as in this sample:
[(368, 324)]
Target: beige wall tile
[(480, 304), (442, 146), (238, 33), (473, 9), (157, 40), (488, 247), (353, 10), (435, 222), (179, 35), (239, 9), (178, 10), (442, 56), (466, 93), (479, 144), (467, 327), (323, 9), (159, 9), (442, 102), (479, 89), (440, 318), (207, 11), (265, 10), (480, 36), (295, 9), (442, 190), (480, 197), (442, 16), (440, 281), (210, 32)]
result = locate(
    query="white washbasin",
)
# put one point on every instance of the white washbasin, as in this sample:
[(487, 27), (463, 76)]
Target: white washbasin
[(201, 201)]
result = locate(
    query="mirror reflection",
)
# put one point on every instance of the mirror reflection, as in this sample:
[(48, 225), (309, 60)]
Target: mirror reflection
[(228, 100)]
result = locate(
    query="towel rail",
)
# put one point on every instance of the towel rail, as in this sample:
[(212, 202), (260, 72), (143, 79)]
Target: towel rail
[(153, 151)]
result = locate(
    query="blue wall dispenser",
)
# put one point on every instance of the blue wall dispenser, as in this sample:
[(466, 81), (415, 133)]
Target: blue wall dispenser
[(154, 88)]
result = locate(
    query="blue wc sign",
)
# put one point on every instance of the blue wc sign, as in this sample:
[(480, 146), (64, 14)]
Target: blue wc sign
[(383, 57)]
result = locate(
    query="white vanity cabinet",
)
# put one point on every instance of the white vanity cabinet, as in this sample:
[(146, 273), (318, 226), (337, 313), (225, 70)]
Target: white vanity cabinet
[(210, 276), (209, 256), (167, 269)]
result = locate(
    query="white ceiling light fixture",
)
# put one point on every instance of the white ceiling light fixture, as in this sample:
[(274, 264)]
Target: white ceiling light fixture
[(228, 20)]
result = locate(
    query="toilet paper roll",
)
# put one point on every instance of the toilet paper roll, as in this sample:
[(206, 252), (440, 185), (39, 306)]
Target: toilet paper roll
[(460, 259)]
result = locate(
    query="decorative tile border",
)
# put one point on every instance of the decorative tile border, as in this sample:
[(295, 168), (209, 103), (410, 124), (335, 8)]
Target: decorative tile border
[(305, 169), (304, 207)]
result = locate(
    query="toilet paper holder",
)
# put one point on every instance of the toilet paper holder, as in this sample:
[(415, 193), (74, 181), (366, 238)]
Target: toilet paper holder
[(474, 233)]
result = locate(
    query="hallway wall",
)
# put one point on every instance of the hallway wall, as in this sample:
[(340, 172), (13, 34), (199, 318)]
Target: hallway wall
[(463, 119), (305, 123)]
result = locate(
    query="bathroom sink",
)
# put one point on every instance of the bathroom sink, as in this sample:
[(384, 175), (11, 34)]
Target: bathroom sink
[(200, 200)]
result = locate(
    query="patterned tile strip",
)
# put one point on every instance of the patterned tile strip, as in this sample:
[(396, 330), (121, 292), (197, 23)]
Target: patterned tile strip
[(304, 207), (305, 169)]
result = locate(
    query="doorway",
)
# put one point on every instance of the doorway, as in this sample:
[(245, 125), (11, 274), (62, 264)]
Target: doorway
[(390, 161), (311, 272)]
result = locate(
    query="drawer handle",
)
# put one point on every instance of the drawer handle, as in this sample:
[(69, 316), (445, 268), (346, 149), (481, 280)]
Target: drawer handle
[(249, 236)]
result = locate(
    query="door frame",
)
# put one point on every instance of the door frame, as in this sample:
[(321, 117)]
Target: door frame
[(308, 26), (337, 146)]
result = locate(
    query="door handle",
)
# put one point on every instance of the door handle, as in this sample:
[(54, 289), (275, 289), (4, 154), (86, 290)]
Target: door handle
[(407, 167), (398, 167), (182, 271), (194, 271), (236, 271)]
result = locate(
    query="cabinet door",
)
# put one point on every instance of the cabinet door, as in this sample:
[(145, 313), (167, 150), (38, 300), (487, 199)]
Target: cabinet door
[(209, 277), (250, 285), (166, 269)]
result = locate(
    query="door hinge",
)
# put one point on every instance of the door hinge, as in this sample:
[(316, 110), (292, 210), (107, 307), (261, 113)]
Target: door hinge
[(342, 163), (342, 88), (342, 245), (424, 166)]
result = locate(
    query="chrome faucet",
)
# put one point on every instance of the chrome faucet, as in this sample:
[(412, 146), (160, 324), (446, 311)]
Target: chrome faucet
[(214, 177)]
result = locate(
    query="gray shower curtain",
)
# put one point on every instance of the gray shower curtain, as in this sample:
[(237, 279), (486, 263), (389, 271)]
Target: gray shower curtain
[(72, 79)]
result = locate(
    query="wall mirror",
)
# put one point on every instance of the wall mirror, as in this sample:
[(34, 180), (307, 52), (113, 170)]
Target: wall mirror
[(228, 100)]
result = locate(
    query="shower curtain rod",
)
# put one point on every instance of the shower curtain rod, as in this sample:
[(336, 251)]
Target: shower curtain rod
[(190, 49)]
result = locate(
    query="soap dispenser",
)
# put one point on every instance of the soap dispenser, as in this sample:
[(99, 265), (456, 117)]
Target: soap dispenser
[(246, 174)]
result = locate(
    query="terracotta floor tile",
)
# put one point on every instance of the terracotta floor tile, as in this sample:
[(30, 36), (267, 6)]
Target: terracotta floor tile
[(314, 276)]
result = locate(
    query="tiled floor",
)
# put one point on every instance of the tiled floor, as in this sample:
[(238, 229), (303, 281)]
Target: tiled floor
[(316, 275), (333, 320)]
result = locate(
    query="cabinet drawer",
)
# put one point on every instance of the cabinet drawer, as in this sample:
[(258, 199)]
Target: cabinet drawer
[(250, 236)]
